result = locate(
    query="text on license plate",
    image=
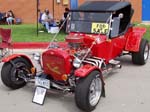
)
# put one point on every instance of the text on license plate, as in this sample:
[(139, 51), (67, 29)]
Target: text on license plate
[(42, 82)]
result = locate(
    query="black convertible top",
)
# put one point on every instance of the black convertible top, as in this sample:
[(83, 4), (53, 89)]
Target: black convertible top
[(107, 7), (103, 6)]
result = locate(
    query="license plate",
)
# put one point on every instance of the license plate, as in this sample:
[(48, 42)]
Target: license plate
[(101, 28), (42, 82)]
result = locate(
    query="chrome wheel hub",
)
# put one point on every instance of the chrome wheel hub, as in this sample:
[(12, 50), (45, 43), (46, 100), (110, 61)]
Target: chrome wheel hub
[(146, 52), (95, 91)]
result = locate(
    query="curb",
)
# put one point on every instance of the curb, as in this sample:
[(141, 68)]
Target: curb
[(34, 45), (30, 45)]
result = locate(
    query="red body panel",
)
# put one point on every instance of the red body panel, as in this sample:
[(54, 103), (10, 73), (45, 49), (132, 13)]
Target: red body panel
[(109, 49), (56, 62), (106, 48), (13, 56), (134, 39)]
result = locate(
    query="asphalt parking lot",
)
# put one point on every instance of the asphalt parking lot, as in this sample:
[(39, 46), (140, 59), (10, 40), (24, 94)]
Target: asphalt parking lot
[(127, 90)]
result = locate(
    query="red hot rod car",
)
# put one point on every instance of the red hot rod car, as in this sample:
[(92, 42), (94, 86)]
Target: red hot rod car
[(99, 31)]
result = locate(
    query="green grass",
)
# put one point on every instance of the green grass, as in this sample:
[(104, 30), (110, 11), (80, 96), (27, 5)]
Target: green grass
[(28, 33)]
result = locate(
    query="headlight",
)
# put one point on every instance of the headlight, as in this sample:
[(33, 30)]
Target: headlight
[(77, 62), (36, 56)]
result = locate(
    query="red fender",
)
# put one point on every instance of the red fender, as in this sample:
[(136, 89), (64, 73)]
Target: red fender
[(134, 39), (11, 57), (85, 70)]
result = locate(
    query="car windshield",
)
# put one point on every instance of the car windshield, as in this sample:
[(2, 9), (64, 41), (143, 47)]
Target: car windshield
[(89, 22)]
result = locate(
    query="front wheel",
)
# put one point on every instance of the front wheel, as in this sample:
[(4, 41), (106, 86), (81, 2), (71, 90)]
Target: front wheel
[(88, 91), (12, 72), (141, 57)]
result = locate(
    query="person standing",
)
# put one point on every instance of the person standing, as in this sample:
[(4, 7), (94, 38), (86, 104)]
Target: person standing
[(66, 12), (65, 15), (47, 19)]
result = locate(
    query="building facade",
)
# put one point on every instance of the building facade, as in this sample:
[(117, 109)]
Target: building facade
[(27, 9)]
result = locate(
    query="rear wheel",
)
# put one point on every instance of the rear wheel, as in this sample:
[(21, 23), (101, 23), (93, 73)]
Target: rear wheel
[(88, 91), (141, 57), (13, 72)]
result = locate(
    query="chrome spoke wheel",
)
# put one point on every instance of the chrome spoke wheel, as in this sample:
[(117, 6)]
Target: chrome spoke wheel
[(95, 91)]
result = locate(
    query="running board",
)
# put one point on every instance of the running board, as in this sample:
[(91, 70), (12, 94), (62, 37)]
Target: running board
[(113, 65), (114, 62)]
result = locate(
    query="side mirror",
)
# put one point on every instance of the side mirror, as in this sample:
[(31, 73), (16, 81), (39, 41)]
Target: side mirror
[(115, 27)]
